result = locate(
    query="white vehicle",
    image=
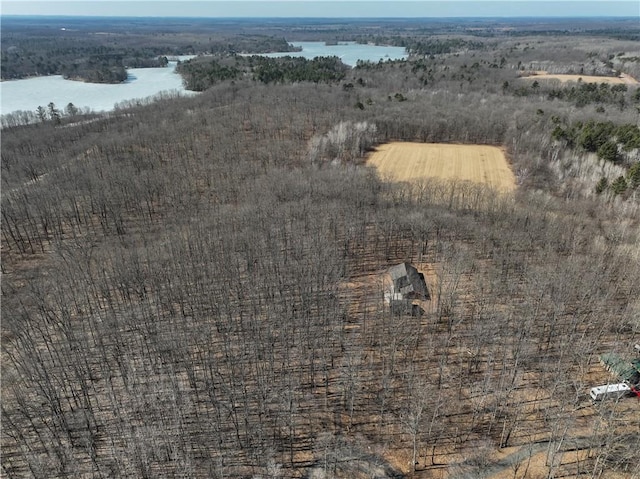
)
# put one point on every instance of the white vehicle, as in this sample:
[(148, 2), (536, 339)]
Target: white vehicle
[(609, 391)]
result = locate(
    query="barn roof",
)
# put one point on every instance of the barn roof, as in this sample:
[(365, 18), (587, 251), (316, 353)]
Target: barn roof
[(408, 281), (628, 371)]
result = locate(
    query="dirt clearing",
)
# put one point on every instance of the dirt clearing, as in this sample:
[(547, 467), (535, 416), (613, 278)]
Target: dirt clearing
[(414, 162), (623, 79)]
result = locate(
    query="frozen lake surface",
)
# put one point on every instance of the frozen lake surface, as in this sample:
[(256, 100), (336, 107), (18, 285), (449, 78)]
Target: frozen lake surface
[(30, 93), (348, 52)]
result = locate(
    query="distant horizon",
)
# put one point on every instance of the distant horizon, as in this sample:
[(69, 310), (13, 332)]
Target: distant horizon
[(524, 17), (329, 9)]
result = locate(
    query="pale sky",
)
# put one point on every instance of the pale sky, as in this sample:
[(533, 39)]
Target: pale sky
[(325, 8)]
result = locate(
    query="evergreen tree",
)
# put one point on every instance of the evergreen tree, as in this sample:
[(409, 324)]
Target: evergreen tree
[(609, 151)]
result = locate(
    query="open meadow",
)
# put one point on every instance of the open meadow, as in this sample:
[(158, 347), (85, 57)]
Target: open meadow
[(414, 162)]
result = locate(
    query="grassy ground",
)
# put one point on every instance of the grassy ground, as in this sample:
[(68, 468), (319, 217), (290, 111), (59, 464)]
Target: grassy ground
[(479, 164)]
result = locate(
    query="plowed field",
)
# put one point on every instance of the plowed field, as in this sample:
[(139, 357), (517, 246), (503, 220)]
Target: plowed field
[(481, 164)]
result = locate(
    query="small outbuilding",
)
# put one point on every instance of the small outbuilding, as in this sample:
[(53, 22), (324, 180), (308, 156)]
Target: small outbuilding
[(609, 391), (404, 307)]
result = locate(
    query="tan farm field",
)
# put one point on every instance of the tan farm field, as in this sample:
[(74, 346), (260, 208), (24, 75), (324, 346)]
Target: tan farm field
[(415, 162), (623, 79)]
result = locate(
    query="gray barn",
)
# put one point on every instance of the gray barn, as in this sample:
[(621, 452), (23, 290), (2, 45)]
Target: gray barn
[(408, 282)]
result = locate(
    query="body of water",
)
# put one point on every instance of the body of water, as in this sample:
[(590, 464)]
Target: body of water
[(348, 52), (30, 93)]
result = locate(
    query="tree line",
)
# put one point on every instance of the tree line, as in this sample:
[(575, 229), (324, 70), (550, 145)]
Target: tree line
[(92, 63), (201, 73)]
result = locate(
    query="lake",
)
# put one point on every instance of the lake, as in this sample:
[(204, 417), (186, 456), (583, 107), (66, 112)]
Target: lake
[(30, 93), (348, 52)]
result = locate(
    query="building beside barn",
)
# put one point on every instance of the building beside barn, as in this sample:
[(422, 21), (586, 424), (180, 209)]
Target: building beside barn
[(401, 307), (609, 391)]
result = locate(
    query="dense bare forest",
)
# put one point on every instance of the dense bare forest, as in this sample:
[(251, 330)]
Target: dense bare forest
[(193, 287)]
